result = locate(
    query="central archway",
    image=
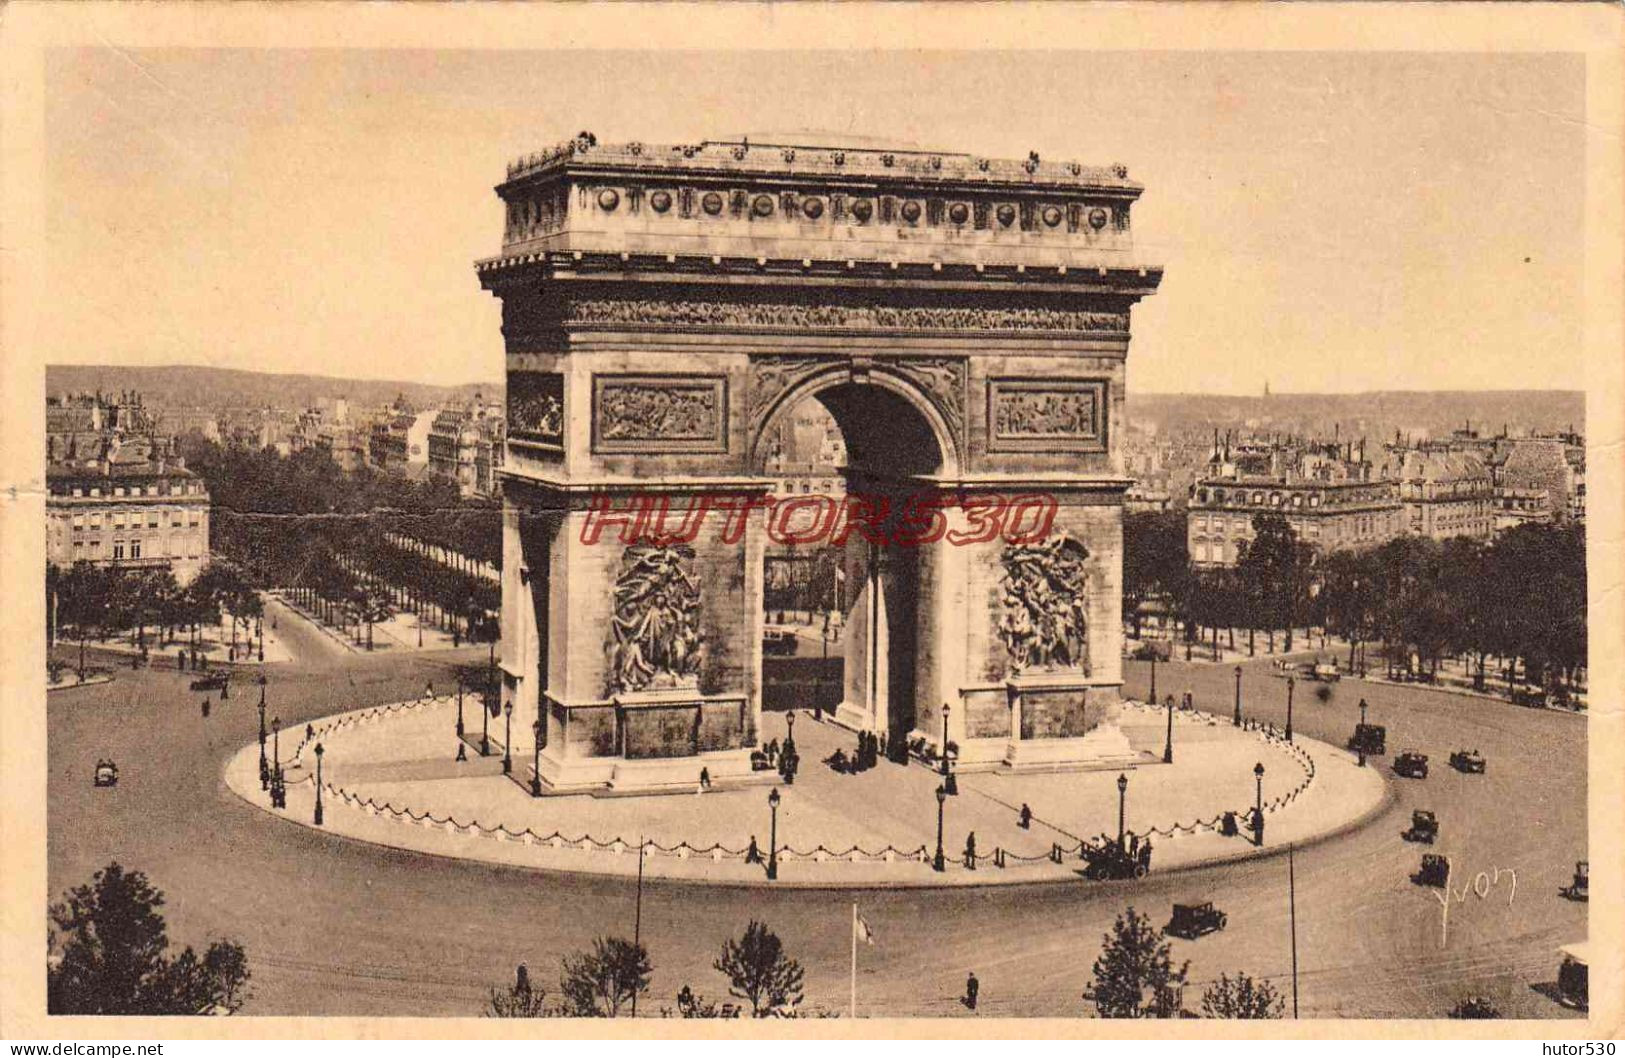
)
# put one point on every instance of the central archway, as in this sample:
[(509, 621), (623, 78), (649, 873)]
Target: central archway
[(895, 443)]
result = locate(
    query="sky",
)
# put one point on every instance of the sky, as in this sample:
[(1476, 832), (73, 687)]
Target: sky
[(1328, 222)]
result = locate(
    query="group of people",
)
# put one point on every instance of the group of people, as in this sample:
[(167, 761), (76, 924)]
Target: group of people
[(866, 756), (784, 758)]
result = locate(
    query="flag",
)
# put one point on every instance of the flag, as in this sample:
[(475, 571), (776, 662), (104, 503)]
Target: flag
[(865, 934)]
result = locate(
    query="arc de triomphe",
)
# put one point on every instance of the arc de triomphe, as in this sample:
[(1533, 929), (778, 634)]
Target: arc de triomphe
[(966, 323)]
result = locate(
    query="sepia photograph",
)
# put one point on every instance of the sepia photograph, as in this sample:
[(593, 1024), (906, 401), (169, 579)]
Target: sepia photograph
[(621, 526)]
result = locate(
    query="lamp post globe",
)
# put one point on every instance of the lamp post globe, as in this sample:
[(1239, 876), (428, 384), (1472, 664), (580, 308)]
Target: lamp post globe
[(937, 862), (1236, 721), (773, 836), (1122, 805), (319, 752)]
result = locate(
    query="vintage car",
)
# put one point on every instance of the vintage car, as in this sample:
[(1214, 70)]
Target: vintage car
[(1581, 888), (1193, 920), (215, 681), (1322, 672), (1371, 739), (1532, 695), (1572, 985), (1435, 871), (1424, 827), (1467, 761), (1411, 764), (1109, 861), (106, 773)]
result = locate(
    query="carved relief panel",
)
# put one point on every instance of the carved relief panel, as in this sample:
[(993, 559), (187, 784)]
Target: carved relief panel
[(660, 413), (656, 642), (1044, 624), (536, 407), (1046, 415)]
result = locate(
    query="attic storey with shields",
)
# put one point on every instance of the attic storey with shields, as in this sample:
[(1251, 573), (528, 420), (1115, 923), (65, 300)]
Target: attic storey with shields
[(964, 321)]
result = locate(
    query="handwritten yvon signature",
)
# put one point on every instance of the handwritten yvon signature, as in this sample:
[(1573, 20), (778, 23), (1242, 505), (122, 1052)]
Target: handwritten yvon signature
[(1484, 883)]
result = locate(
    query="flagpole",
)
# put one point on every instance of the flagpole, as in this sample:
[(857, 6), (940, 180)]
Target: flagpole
[(1292, 911), (854, 1006)]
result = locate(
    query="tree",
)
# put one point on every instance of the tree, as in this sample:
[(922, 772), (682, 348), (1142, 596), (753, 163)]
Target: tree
[(115, 957), (598, 983), (519, 1000), (758, 971), (1134, 977), (1241, 997)]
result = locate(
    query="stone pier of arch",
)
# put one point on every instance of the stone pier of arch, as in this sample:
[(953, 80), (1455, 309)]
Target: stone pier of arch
[(966, 322)]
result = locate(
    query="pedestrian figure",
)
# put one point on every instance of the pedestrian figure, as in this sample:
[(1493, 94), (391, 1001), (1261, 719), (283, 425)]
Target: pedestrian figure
[(1145, 855), (818, 712), (972, 987), (462, 753), (753, 854), (705, 778), (970, 851), (310, 732), (225, 690), (1026, 817), (428, 690), (205, 709)]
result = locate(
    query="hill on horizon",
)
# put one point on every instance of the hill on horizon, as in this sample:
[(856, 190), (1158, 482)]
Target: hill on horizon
[(185, 385)]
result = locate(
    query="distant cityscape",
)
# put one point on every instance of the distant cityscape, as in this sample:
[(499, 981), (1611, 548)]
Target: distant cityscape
[(121, 492)]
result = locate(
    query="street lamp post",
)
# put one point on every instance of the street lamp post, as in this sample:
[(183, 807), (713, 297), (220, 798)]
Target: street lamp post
[(1359, 737), (773, 836), (1237, 720), (937, 863), (536, 761), (1153, 695), (459, 703), (485, 726), (276, 757), (790, 729), (1258, 808), (949, 785), (318, 784), (1362, 712), (507, 739), (1122, 805), (1168, 747), (1289, 684), (265, 768)]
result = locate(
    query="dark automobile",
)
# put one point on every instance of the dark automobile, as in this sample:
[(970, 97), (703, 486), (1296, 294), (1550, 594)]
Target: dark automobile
[(1435, 871), (1424, 827), (1193, 920), (1573, 986), (106, 773), (1468, 761), (778, 642), (213, 682), (1411, 764), (1109, 861), (1581, 889), (1371, 739)]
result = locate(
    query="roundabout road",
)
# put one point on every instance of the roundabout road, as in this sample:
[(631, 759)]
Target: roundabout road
[(338, 927)]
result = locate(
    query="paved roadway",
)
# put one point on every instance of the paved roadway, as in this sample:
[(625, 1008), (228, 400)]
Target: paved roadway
[(338, 927)]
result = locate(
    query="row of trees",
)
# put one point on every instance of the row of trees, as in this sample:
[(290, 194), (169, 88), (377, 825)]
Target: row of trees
[(87, 601), (353, 547), (1519, 599), (308, 482), (1134, 977)]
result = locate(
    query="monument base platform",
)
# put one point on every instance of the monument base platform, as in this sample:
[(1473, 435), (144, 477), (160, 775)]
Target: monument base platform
[(603, 776)]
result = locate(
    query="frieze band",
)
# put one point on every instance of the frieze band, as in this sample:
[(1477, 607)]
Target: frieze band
[(591, 312)]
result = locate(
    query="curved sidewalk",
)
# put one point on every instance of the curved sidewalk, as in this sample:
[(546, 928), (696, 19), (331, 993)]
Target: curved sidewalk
[(390, 778)]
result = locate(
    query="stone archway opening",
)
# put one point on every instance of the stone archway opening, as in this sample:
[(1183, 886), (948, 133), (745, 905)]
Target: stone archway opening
[(840, 616)]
